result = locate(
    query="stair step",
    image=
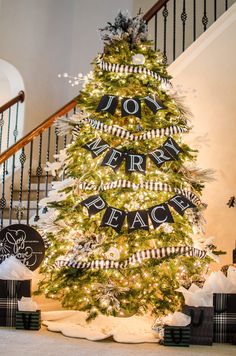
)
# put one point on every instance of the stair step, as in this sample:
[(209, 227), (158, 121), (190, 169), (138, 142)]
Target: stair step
[(6, 213), (14, 221), (33, 195), (34, 179), (33, 200), (24, 203), (42, 186)]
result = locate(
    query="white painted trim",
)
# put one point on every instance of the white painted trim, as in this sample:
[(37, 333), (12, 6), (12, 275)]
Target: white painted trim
[(193, 51)]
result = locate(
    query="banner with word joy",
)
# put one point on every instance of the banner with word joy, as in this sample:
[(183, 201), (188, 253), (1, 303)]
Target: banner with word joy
[(129, 106)]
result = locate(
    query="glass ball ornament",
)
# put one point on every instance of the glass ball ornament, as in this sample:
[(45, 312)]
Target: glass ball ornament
[(138, 59)]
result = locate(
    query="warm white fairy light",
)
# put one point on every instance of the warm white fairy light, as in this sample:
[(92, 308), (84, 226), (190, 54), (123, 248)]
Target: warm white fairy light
[(76, 80)]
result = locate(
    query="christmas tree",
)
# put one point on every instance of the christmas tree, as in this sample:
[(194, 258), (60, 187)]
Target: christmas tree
[(125, 228)]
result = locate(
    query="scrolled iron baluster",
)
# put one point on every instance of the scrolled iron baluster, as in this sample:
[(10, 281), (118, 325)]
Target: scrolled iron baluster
[(1, 130), (56, 141), (39, 172), (15, 132), (194, 20), (8, 134), (47, 159), (215, 10), (3, 201), (183, 19), (29, 181), (20, 208), (204, 18), (12, 189), (165, 14), (65, 136), (174, 29), (65, 141), (226, 5), (155, 33)]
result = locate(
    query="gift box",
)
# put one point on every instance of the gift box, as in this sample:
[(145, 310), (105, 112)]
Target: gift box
[(15, 289), (224, 317), (176, 336), (8, 308), (28, 320), (10, 292), (201, 327)]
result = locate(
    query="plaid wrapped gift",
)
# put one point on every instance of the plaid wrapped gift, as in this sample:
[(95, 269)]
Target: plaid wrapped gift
[(201, 327), (176, 336), (10, 292), (15, 289), (8, 308), (28, 320), (224, 317)]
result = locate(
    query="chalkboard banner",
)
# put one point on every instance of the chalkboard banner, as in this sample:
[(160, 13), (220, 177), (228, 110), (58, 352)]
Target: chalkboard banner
[(137, 220), (23, 242), (129, 106), (134, 162)]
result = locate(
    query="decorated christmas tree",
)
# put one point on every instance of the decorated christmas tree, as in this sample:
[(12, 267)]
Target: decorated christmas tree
[(125, 227)]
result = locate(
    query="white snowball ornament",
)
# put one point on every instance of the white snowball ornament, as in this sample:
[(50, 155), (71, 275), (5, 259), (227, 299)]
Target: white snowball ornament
[(104, 302), (138, 59), (167, 228), (112, 254)]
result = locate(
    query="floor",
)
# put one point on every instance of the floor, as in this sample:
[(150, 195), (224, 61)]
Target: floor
[(45, 343)]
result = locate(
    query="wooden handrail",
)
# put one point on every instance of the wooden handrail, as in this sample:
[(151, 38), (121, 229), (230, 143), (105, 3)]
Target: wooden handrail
[(154, 9), (38, 130), (19, 98)]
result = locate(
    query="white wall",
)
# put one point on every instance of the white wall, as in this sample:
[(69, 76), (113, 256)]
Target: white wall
[(206, 74), (11, 83), (5, 90), (42, 38)]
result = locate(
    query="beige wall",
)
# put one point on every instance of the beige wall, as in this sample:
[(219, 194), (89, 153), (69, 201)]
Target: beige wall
[(42, 38), (206, 74)]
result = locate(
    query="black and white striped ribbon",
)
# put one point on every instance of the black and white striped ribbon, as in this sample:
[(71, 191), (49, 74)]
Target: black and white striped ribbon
[(137, 257), (152, 186), (126, 69), (119, 132)]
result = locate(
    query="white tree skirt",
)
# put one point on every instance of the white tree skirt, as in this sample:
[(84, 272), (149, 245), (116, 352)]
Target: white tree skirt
[(72, 323)]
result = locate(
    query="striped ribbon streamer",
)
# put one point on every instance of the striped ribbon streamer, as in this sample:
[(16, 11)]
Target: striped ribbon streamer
[(127, 69), (152, 186), (137, 257), (120, 132)]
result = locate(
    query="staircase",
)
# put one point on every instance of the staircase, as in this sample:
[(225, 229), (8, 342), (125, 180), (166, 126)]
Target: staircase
[(27, 209), (24, 180)]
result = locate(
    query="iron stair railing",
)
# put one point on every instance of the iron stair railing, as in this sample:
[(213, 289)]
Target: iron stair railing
[(28, 182), (176, 24), (9, 121)]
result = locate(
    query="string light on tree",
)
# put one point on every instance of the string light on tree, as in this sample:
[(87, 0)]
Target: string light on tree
[(127, 219)]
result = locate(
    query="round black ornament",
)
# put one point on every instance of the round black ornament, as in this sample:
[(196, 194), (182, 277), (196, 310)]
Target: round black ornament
[(23, 242)]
